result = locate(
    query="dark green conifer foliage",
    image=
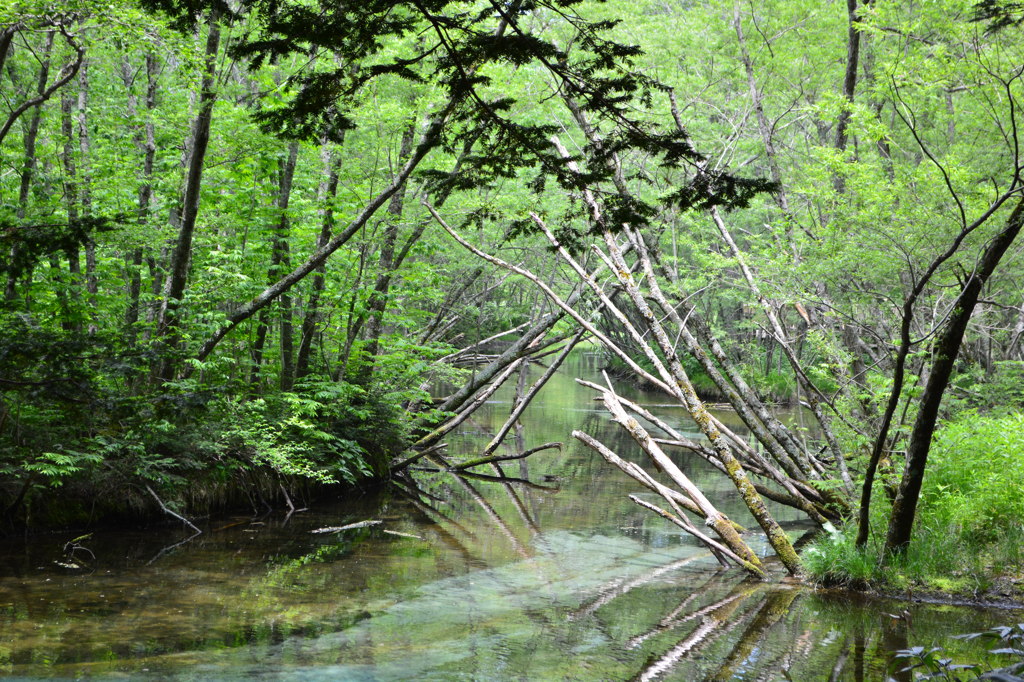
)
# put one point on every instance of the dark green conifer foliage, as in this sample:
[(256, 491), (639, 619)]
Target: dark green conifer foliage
[(454, 43), (999, 14)]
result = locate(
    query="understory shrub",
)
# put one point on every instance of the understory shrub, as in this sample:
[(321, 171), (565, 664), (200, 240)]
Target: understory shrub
[(975, 472), (969, 528), (186, 437)]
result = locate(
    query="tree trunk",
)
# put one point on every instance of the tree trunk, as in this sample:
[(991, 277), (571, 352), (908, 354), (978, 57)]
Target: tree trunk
[(377, 303), (67, 105), (178, 270), (144, 138), (6, 36), (85, 191), (28, 167), (256, 351), (849, 79), (326, 193), (944, 354), (1014, 345), (281, 260)]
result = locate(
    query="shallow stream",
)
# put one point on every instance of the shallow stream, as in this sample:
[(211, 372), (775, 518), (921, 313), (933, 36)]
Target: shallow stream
[(554, 574)]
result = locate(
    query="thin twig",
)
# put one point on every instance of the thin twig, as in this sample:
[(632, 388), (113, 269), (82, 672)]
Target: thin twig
[(171, 512), (504, 458)]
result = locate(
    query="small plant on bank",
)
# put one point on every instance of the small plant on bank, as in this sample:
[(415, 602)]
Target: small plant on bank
[(929, 664)]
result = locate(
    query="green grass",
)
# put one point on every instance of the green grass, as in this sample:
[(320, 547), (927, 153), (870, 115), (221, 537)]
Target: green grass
[(969, 530)]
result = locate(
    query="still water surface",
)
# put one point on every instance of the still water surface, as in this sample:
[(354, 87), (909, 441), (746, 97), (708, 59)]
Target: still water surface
[(554, 575)]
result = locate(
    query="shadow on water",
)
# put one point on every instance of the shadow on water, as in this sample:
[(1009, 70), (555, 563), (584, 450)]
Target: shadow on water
[(540, 569)]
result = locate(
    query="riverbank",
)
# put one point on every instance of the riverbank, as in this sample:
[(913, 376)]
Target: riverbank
[(82, 510), (969, 532)]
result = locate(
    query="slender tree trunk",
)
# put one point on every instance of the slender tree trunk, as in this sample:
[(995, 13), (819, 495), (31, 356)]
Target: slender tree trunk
[(145, 142), (178, 270), (156, 285), (28, 168), (377, 303), (1014, 345), (326, 193), (256, 351), (944, 354), (85, 191), (849, 79), (354, 322), (879, 448), (281, 260), (67, 105), (60, 290)]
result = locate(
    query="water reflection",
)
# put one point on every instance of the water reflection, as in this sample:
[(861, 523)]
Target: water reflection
[(533, 569)]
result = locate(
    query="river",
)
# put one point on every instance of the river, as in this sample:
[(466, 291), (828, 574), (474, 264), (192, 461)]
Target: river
[(553, 575)]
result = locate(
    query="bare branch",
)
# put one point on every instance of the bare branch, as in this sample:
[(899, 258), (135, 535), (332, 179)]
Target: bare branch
[(67, 72)]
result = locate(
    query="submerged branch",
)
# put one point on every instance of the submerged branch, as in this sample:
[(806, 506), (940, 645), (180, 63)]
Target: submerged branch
[(171, 512), (717, 548), (351, 526), (504, 458)]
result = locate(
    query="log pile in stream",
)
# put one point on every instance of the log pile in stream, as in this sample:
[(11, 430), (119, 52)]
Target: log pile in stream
[(788, 469)]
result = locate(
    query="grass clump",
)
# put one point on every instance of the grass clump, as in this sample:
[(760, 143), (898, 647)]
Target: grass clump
[(969, 530)]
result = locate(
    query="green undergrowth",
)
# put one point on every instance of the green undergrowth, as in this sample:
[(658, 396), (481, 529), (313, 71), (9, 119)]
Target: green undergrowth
[(87, 433), (199, 448), (969, 530)]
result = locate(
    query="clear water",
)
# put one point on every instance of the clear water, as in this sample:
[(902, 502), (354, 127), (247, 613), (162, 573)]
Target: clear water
[(557, 578)]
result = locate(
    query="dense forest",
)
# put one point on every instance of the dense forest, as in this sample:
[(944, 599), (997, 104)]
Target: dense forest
[(257, 250)]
